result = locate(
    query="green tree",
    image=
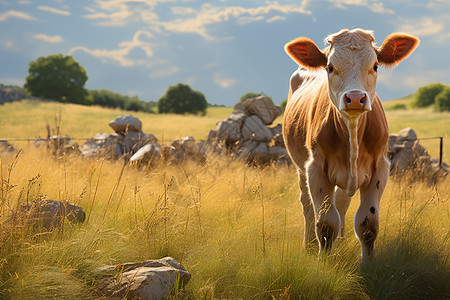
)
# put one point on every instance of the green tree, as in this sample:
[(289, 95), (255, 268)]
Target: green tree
[(425, 95), (249, 95), (283, 104), (59, 78), (181, 99), (442, 100)]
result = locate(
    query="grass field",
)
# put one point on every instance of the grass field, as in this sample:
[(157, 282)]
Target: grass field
[(237, 229), (28, 119)]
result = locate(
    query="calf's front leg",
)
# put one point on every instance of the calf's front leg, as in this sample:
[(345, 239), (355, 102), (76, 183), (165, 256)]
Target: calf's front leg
[(327, 218), (367, 215)]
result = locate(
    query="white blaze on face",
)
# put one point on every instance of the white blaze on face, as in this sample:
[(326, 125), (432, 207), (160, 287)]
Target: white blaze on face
[(352, 74), (352, 70)]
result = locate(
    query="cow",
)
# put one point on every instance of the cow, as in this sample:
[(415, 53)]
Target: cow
[(336, 133)]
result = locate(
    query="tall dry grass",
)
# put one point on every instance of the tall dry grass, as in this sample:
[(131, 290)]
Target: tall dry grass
[(237, 229)]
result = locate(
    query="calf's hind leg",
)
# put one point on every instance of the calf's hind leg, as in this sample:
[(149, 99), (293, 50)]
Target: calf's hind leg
[(308, 211)]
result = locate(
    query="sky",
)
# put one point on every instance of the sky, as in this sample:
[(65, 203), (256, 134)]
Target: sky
[(222, 48)]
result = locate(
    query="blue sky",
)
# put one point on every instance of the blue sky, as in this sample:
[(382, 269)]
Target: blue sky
[(223, 48)]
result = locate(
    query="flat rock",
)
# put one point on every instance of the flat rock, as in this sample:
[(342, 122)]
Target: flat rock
[(152, 279), (126, 123)]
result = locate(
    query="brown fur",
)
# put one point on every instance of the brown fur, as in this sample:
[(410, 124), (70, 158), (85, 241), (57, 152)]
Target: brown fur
[(338, 151)]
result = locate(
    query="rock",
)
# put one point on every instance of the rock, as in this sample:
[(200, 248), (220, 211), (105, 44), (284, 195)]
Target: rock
[(261, 153), (212, 135), (153, 279), (49, 214), (254, 129), (8, 94), (246, 149), (185, 143), (126, 123), (278, 152), (237, 116), (5, 146), (228, 131), (240, 107), (132, 142), (104, 144), (264, 108), (149, 154), (406, 134), (278, 129)]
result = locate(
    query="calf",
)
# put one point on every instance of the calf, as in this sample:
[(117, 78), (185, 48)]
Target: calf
[(336, 132)]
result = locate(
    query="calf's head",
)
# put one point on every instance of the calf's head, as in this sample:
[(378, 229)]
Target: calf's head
[(351, 62)]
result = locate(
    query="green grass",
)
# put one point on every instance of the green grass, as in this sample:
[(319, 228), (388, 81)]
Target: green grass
[(28, 119), (237, 230)]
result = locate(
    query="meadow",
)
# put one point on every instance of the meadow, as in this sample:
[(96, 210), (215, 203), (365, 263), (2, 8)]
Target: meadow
[(237, 229)]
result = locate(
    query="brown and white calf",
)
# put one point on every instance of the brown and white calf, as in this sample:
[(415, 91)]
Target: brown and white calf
[(336, 132)]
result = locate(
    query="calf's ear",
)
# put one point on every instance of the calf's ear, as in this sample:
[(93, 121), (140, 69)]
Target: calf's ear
[(304, 52), (397, 47)]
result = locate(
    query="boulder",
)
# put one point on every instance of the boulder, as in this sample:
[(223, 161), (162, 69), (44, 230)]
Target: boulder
[(126, 123), (228, 131), (5, 146), (152, 279), (149, 154), (104, 144), (254, 129), (240, 107), (264, 108), (185, 143), (49, 214), (406, 134)]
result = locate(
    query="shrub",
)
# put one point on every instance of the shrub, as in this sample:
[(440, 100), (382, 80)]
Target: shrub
[(250, 95), (181, 99), (283, 104), (106, 98), (398, 106), (425, 95), (442, 100)]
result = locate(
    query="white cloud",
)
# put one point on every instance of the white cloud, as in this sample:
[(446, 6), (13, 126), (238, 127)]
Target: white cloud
[(186, 19), (17, 15), (48, 38), (276, 18), (54, 10), (210, 14), (165, 72), (423, 27), (374, 5), (223, 82), (121, 55), (411, 80)]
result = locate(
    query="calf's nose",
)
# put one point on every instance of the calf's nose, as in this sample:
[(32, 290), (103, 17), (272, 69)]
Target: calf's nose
[(355, 101)]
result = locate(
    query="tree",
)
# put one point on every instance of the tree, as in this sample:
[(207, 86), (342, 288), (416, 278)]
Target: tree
[(425, 95), (59, 78), (283, 104), (180, 99), (442, 100), (250, 95)]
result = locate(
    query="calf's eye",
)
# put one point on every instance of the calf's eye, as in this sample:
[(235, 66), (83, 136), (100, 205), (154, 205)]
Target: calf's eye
[(330, 69), (375, 68)]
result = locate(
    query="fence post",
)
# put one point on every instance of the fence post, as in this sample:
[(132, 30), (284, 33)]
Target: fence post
[(440, 151)]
